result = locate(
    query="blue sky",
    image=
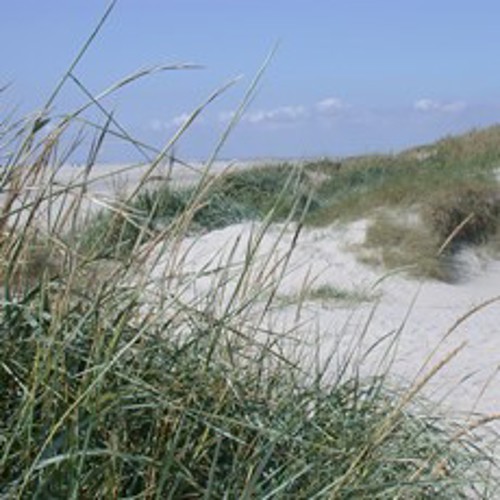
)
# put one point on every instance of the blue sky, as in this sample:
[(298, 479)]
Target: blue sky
[(349, 76)]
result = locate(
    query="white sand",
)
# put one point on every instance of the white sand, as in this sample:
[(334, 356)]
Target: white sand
[(424, 312)]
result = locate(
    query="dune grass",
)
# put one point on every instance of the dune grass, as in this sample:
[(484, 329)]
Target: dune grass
[(359, 183), (328, 296), (448, 185), (279, 191), (394, 244), (105, 393), (450, 188)]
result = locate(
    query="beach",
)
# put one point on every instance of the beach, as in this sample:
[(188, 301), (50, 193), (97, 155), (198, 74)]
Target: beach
[(420, 316), (422, 321)]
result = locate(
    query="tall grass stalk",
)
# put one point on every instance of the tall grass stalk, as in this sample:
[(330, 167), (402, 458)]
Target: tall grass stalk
[(123, 377)]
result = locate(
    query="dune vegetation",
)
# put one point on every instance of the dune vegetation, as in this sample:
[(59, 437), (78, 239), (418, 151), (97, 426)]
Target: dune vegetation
[(106, 395), (424, 204)]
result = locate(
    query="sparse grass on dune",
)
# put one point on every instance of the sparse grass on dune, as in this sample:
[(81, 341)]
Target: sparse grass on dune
[(427, 181), (277, 191), (475, 206), (328, 295), (451, 188), (465, 215), (394, 244), (370, 182), (105, 394)]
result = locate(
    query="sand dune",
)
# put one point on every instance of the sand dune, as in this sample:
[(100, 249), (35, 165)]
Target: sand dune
[(421, 320), (422, 315)]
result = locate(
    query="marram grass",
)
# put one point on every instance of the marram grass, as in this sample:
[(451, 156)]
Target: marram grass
[(104, 395)]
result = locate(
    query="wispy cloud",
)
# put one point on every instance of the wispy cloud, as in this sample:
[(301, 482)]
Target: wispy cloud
[(283, 115), (431, 105), (287, 114), (157, 125), (328, 111), (330, 105), (226, 116), (179, 120)]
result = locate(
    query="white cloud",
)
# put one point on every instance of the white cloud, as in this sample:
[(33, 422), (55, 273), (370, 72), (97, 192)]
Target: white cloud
[(157, 125), (454, 107), (283, 114), (426, 105), (431, 105), (179, 120), (330, 105), (226, 116)]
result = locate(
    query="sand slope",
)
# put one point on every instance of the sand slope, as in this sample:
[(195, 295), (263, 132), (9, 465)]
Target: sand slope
[(421, 320), (418, 314)]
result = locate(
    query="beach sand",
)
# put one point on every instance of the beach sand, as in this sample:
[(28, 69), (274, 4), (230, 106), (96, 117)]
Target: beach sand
[(421, 322)]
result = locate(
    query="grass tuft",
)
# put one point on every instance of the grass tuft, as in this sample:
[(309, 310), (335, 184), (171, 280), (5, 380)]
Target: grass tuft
[(449, 209), (116, 383)]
